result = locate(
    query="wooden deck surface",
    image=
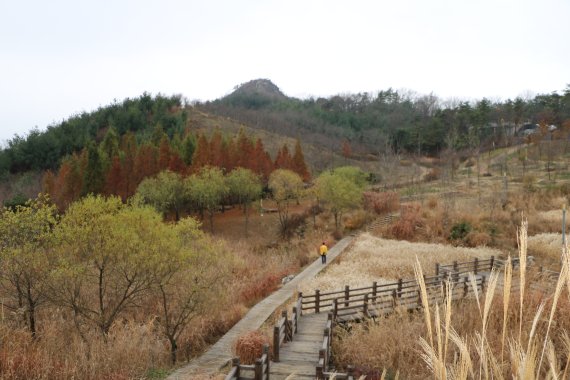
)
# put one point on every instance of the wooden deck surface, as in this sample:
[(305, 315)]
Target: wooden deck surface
[(221, 352), (299, 358)]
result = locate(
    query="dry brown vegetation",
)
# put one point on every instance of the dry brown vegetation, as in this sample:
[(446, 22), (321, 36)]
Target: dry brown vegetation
[(372, 258), (501, 334)]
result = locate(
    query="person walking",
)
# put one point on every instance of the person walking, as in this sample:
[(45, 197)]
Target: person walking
[(323, 249)]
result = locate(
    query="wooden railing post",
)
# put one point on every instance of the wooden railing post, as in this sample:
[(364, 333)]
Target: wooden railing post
[(455, 266), (346, 295), (394, 296), (288, 330), (295, 320), (267, 361), (492, 263), (258, 370), (301, 298), (350, 372), (276, 343), (482, 284), (317, 300), (335, 308), (465, 287), (399, 288), (437, 269), (235, 363), (476, 265), (319, 373), (365, 308), (374, 290), (323, 355)]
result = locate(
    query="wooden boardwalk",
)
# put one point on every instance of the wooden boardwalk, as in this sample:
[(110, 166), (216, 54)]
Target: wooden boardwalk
[(299, 358), (221, 352)]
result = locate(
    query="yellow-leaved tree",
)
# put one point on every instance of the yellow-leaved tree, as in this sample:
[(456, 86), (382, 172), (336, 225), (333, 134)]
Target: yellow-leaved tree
[(25, 248)]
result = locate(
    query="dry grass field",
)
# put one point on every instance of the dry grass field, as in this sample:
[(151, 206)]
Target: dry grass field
[(371, 258)]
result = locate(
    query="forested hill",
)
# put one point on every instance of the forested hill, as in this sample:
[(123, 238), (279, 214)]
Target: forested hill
[(44, 150), (112, 150), (389, 119)]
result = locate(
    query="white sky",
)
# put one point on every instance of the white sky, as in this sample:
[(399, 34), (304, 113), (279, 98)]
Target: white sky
[(62, 57)]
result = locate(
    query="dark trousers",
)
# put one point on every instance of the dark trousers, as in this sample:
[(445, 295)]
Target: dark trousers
[(323, 259)]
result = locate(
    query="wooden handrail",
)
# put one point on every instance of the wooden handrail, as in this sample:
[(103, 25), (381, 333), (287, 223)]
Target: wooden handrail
[(260, 368)]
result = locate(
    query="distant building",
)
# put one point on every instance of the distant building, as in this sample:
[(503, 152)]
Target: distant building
[(528, 129)]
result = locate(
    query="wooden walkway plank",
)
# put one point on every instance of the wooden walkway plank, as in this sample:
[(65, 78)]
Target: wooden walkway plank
[(220, 353)]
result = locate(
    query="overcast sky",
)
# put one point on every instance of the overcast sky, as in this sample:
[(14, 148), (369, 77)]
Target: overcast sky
[(62, 57)]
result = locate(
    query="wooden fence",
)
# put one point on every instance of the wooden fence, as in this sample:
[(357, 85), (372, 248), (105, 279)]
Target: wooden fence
[(257, 371), (378, 300), (385, 296), (285, 329)]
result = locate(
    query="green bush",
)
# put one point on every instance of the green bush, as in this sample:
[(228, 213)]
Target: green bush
[(460, 230)]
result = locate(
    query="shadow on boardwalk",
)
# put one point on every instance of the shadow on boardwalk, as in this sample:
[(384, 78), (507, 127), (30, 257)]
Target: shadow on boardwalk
[(221, 352)]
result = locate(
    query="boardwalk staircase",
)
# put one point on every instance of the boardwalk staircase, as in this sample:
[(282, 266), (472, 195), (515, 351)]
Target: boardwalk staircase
[(302, 342)]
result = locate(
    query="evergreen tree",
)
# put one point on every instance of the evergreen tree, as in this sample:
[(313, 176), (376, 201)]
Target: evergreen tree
[(93, 179), (188, 148)]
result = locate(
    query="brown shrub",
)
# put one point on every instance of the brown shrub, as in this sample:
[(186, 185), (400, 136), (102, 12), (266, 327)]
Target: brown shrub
[(433, 174), (381, 203), (477, 239), (410, 219), (249, 346), (356, 220)]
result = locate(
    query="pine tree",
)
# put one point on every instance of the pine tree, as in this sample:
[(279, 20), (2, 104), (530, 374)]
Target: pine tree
[(129, 148), (93, 180), (188, 148)]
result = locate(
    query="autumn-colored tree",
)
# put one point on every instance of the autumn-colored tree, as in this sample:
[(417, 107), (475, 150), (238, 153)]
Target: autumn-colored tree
[(176, 164), (114, 177), (146, 162), (283, 159), (216, 148), (346, 149), (245, 149), (263, 165), (164, 153), (298, 164), (68, 183), (229, 155), (201, 155)]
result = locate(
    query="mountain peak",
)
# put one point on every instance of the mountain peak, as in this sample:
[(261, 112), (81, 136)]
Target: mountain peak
[(263, 87)]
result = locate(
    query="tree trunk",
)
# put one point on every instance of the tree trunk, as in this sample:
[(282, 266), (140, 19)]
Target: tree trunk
[(173, 349), (31, 312)]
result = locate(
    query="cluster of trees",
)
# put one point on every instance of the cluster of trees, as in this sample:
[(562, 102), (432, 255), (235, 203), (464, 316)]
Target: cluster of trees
[(203, 192), (44, 150), (395, 120), (119, 164), (100, 261)]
